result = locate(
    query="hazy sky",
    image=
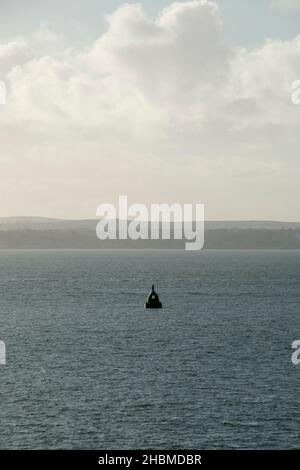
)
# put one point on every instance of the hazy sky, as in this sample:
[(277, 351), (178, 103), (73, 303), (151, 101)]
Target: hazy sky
[(165, 102)]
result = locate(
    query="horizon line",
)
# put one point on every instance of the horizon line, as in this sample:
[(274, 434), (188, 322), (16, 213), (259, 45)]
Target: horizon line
[(61, 219)]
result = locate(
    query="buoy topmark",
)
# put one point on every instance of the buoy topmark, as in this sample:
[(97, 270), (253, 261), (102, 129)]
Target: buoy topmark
[(153, 300)]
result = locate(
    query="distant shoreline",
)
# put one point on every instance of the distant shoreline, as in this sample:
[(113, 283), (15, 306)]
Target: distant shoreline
[(52, 234)]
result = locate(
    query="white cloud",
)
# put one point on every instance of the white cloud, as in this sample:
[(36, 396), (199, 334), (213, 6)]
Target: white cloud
[(12, 53), (155, 108)]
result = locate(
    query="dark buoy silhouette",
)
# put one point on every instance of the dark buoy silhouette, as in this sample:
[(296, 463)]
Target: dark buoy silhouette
[(153, 300)]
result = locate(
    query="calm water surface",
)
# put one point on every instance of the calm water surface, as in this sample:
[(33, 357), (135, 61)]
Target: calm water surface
[(88, 367)]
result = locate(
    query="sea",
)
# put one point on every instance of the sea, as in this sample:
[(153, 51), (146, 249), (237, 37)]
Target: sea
[(87, 367)]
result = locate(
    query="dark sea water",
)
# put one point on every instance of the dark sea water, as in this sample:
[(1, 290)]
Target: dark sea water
[(89, 368)]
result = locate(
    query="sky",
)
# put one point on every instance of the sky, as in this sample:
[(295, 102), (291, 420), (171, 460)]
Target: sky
[(245, 22), (163, 102)]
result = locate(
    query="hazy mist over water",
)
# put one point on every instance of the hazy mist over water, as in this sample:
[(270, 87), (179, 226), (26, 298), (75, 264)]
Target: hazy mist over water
[(88, 367)]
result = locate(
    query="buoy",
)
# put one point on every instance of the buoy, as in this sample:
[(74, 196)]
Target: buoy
[(153, 300)]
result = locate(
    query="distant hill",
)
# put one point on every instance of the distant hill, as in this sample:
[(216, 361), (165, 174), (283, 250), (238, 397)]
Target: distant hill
[(44, 223), (47, 233)]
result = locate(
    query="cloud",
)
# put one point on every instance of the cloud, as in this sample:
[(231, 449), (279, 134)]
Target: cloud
[(183, 44), (160, 103), (12, 53)]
